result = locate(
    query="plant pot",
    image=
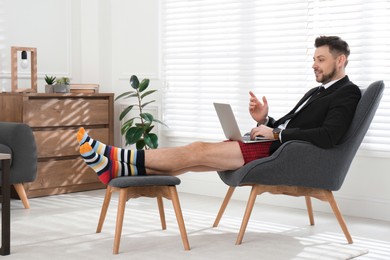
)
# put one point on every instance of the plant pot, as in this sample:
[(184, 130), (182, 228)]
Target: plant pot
[(49, 89), (61, 88)]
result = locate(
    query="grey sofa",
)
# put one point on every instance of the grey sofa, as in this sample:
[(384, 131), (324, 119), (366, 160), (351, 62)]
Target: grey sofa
[(301, 169), (18, 140)]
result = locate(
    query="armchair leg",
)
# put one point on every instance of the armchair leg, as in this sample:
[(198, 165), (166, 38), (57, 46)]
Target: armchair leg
[(22, 195), (338, 215), (224, 205), (247, 215), (309, 210)]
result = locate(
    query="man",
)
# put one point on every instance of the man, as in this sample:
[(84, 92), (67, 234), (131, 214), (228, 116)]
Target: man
[(321, 117)]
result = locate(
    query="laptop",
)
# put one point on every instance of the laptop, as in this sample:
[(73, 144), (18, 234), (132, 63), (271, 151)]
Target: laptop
[(230, 126)]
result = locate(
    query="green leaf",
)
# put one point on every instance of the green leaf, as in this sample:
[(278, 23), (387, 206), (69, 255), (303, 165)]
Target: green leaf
[(147, 93), (151, 140), (134, 82), (50, 80), (140, 144), (135, 94), (147, 103), (126, 125), (125, 111), (133, 135), (146, 116), (147, 124), (128, 93), (144, 84), (160, 122), (150, 128)]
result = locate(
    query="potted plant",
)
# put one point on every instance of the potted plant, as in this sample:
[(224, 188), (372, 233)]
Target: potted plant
[(62, 85), (50, 80), (137, 130)]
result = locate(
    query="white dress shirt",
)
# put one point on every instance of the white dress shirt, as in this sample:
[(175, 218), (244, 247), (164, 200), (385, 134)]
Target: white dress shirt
[(284, 125)]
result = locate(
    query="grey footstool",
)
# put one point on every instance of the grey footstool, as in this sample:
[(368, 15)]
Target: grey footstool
[(153, 186)]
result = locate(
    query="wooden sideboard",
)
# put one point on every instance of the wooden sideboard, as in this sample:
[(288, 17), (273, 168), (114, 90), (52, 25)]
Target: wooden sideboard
[(55, 120)]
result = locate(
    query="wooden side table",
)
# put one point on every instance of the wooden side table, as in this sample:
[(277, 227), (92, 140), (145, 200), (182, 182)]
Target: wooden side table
[(5, 205)]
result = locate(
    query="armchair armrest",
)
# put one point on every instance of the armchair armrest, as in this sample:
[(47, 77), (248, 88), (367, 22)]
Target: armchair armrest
[(20, 139)]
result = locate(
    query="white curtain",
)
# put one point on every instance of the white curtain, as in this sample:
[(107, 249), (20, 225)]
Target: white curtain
[(216, 51)]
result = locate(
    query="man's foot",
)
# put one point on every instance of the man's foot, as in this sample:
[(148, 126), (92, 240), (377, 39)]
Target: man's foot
[(106, 168), (99, 163), (111, 152)]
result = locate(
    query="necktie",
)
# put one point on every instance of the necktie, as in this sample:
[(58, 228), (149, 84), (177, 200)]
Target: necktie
[(320, 89), (316, 93), (289, 116)]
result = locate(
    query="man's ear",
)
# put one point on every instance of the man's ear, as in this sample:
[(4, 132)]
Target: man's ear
[(342, 61)]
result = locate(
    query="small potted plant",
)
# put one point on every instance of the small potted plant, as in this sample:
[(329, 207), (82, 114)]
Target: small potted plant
[(137, 130), (62, 85), (50, 80)]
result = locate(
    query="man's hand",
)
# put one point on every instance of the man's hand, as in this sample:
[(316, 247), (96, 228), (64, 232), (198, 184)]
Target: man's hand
[(257, 109), (264, 131)]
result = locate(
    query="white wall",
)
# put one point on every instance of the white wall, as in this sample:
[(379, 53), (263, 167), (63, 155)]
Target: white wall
[(106, 42), (135, 46)]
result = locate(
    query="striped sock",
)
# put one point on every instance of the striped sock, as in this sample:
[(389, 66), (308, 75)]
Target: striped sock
[(112, 152), (105, 168)]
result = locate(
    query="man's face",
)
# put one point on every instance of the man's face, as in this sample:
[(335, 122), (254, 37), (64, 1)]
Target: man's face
[(326, 67)]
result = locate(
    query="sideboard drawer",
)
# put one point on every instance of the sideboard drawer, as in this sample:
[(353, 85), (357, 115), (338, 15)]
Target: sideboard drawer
[(66, 112), (63, 173), (63, 142)]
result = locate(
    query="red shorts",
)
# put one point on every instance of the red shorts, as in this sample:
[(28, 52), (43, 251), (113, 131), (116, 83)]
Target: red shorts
[(253, 151)]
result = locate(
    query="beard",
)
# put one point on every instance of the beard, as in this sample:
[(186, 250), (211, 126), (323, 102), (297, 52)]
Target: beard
[(327, 77)]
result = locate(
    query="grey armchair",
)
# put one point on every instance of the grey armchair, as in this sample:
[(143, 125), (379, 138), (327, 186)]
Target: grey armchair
[(301, 169), (18, 140)]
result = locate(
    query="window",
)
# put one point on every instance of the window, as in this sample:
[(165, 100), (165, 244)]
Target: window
[(216, 51)]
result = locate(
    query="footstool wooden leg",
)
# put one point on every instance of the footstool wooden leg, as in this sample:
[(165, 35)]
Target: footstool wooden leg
[(162, 213), (179, 216), (106, 203), (119, 218)]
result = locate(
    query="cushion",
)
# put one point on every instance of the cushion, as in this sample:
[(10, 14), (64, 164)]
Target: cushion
[(149, 180)]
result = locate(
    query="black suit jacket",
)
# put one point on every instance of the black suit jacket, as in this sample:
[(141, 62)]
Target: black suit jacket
[(324, 119)]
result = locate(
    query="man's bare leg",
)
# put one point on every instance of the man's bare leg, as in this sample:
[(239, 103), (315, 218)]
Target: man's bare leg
[(169, 161), (221, 156), (198, 156)]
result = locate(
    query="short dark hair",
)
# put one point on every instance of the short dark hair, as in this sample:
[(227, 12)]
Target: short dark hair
[(336, 45)]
